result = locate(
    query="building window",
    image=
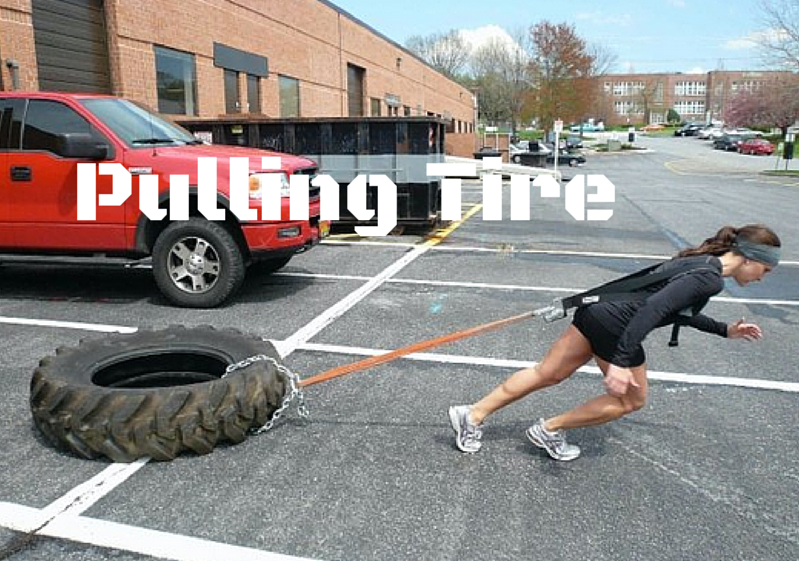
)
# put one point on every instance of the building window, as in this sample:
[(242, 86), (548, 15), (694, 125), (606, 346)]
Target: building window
[(253, 94), (406, 110), (690, 88), (376, 107), (747, 86), (176, 82), (628, 88), (690, 107), (289, 97), (628, 108), (232, 104)]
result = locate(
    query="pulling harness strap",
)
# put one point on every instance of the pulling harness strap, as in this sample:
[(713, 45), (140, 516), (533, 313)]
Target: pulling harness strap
[(628, 289)]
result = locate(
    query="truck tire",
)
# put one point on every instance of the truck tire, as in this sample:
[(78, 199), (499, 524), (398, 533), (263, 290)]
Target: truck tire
[(154, 393), (197, 263)]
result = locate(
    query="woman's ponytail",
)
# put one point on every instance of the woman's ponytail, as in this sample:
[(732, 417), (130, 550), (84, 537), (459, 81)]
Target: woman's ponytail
[(719, 244)]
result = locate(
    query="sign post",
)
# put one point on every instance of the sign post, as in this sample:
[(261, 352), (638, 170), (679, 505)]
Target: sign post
[(558, 127)]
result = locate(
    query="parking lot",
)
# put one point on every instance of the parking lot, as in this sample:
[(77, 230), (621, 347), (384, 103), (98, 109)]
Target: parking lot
[(708, 470)]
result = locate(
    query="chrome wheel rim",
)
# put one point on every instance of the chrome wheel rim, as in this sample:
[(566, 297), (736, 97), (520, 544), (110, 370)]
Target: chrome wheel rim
[(194, 265)]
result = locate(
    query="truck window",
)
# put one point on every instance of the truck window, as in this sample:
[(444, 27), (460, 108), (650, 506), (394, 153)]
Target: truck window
[(5, 123), (45, 120), (11, 111)]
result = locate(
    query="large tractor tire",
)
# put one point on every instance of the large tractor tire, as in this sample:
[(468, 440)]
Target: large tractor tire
[(154, 393)]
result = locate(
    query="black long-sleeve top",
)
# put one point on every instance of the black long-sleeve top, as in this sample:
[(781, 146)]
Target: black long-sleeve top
[(678, 299)]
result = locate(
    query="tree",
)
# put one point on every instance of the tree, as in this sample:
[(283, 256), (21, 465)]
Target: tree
[(446, 52), (673, 116), (561, 66), (501, 75), (780, 42), (775, 104)]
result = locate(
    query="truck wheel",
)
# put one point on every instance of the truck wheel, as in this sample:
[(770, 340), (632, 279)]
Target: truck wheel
[(197, 263), (154, 393), (573, 162), (269, 266)]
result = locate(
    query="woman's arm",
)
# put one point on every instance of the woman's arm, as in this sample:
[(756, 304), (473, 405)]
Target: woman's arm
[(681, 293)]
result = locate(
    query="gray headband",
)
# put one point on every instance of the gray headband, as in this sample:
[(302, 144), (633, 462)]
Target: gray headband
[(768, 254)]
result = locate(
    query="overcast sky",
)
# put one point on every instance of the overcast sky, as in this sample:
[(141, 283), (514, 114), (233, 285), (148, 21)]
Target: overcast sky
[(645, 35)]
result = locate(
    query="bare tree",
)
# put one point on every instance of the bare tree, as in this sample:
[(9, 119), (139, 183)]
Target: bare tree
[(780, 41), (446, 52), (501, 73)]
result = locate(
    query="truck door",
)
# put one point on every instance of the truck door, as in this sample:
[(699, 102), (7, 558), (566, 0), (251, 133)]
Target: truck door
[(43, 189), (5, 124)]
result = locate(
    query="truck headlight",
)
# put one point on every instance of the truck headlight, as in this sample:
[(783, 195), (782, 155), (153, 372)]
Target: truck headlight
[(260, 180)]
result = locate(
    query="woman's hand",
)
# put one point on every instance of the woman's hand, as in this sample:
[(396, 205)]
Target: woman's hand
[(741, 330), (618, 380)]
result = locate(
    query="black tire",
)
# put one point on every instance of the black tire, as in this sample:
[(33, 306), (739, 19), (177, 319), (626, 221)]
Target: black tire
[(154, 393), (269, 266), (212, 261), (516, 159), (573, 162)]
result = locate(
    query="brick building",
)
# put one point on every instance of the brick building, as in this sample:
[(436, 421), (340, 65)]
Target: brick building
[(212, 58), (646, 98)]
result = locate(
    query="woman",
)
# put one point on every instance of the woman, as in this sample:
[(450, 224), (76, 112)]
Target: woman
[(612, 332)]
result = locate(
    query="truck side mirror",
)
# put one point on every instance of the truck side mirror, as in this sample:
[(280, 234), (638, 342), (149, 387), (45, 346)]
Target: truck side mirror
[(81, 146)]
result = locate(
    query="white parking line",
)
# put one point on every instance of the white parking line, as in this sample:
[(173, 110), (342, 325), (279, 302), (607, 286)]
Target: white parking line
[(68, 325), (123, 537), (489, 286), (511, 249), (316, 325), (681, 377)]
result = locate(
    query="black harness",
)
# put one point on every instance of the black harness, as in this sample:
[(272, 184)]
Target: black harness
[(632, 288)]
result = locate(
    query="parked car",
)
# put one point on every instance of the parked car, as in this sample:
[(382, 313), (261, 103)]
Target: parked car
[(709, 132), (756, 146), (565, 157), (588, 127), (525, 147), (730, 142), (198, 262), (689, 129)]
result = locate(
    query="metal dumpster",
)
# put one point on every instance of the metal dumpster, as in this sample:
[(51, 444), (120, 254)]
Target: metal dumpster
[(399, 147)]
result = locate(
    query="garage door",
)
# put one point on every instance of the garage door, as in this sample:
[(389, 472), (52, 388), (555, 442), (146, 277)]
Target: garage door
[(71, 48)]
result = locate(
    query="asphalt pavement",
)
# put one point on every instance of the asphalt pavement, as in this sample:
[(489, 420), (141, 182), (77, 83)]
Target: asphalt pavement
[(709, 469)]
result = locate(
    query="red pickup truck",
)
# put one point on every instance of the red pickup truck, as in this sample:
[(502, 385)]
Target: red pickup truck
[(196, 262)]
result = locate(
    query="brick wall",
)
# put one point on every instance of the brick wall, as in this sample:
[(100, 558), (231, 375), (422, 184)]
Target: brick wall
[(303, 39), (16, 42)]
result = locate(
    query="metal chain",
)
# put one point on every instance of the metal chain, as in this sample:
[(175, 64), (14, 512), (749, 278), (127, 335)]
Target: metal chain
[(294, 393)]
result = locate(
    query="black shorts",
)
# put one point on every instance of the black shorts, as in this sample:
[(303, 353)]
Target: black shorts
[(603, 325)]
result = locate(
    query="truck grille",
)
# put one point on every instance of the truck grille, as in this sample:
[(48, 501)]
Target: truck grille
[(313, 192)]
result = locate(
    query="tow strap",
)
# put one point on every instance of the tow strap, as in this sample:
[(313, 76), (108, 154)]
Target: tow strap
[(628, 288)]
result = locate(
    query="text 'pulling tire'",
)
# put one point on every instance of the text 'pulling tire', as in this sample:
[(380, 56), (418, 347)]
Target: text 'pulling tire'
[(154, 393)]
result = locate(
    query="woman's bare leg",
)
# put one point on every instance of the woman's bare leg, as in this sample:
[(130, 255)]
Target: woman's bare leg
[(566, 355), (603, 408)]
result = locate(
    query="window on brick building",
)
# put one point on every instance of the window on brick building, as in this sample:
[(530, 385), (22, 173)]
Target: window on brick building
[(232, 103), (289, 96), (376, 107), (253, 94), (176, 82), (406, 110)]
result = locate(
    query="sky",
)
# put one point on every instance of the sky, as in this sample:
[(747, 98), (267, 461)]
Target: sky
[(690, 36)]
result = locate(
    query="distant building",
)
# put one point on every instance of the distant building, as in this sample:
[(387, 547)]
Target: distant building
[(200, 59), (646, 98)]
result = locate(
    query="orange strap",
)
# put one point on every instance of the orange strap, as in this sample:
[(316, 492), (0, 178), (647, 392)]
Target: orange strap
[(414, 348)]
